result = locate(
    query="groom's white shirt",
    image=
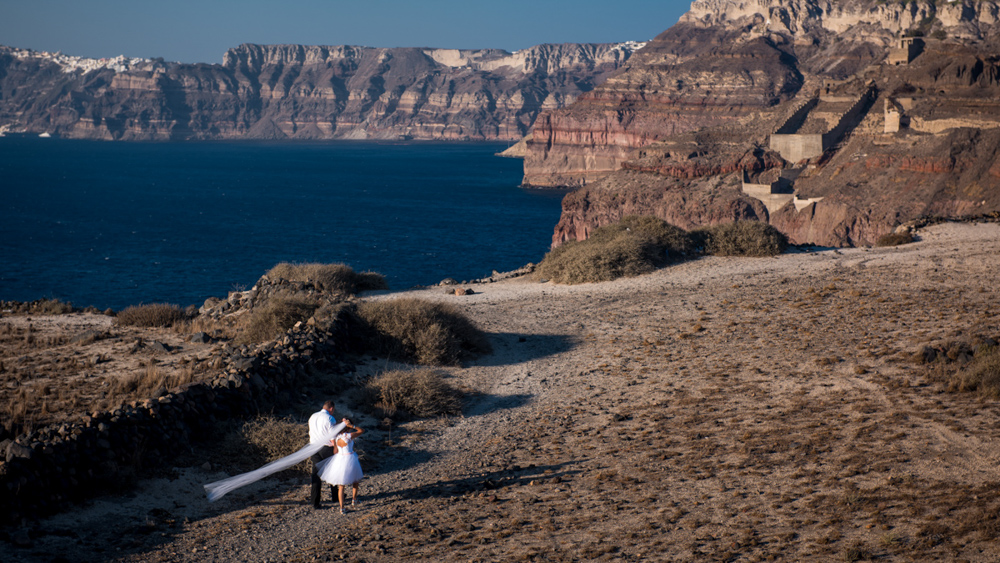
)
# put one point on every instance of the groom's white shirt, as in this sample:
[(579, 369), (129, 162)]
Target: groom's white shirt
[(321, 427)]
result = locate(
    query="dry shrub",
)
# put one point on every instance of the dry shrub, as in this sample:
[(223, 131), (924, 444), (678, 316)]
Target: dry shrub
[(153, 315), (277, 315), (422, 392), (635, 245), (37, 307), (982, 375), (420, 331), (144, 384), (338, 278), (894, 239), (242, 446), (743, 238), (274, 438)]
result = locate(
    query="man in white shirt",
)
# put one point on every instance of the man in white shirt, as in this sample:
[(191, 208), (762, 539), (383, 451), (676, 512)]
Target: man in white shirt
[(321, 431)]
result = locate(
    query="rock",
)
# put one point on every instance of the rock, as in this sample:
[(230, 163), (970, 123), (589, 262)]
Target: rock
[(448, 281), (18, 450), (201, 338), (928, 354), (86, 337), (243, 364), (158, 347)]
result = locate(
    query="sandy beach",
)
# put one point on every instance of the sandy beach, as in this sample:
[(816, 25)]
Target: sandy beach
[(723, 409)]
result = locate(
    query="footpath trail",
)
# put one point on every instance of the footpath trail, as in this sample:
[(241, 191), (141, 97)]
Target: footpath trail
[(729, 409)]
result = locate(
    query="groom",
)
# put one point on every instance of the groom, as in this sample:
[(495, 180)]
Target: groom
[(320, 430)]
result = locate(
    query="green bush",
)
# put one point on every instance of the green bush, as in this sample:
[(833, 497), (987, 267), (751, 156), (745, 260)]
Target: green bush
[(339, 278), (275, 316), (422, 392), (635, 245), (420, 331), (894, 239), (742, 238), (982, 375), (153, 315)]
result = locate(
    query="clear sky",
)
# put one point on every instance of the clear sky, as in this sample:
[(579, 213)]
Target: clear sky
[(201, 30)]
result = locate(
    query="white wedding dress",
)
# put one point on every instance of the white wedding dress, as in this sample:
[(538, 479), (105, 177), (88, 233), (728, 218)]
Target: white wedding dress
[(217, 489), (343, 467)]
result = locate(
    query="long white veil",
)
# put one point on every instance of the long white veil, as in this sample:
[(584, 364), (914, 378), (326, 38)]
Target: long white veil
[(217, 489)]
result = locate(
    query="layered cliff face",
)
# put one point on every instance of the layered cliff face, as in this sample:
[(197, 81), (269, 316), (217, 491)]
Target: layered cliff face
[(924, 144), (685, 79), (300, 92), (723, 60)]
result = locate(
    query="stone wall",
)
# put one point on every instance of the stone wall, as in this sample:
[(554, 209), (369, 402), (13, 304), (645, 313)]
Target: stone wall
[(46, 468)]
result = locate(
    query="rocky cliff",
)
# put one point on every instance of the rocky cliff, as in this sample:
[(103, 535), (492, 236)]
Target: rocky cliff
[(723, 60), (907, 127), (303, 92)]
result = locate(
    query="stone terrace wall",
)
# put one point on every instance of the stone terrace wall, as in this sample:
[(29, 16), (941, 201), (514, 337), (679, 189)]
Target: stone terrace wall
[(50, 466)]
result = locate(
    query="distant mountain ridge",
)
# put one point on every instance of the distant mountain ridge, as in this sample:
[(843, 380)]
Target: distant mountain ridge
[(302, 92)]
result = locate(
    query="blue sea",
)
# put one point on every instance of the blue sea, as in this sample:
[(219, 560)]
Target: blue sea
[(118, 224)]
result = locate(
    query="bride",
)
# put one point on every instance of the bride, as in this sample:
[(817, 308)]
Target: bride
[(343, 468)]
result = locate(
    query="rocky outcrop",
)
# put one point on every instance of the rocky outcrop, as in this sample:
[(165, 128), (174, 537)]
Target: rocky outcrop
[(725, 59), (633, 193), (685, 79), (866, 183), (305, 92)]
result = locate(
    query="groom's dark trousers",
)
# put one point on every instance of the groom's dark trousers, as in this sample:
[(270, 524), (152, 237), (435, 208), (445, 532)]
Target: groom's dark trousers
[(317, 484)]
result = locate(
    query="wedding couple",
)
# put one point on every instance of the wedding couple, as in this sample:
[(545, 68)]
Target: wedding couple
[(331, 449), (335, 462)]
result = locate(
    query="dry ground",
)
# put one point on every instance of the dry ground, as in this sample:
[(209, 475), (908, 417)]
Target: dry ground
[(55, 368), (724, 409)]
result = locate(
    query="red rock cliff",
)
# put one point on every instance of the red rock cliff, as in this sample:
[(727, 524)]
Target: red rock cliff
[(685, 79)]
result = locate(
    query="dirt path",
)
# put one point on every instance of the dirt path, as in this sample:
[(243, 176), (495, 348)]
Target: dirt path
[(723, 409)]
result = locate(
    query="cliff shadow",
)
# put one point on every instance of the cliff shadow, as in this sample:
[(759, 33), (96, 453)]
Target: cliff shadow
[(511, 348)]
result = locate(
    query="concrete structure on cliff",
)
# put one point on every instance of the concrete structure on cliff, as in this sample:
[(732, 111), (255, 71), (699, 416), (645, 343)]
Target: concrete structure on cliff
[(906, 51), (774, 189), (807, 133), (815, 126)]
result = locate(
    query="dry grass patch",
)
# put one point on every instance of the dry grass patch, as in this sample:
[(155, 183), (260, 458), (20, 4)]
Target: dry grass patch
[(274, 438), (423, 332), (337, 278), (147, 383), (247, 445), (279, 314), (894, 239), (742, 238), (633, 246), (38, 307), (153, 315), (422, 392), (982, 375)]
